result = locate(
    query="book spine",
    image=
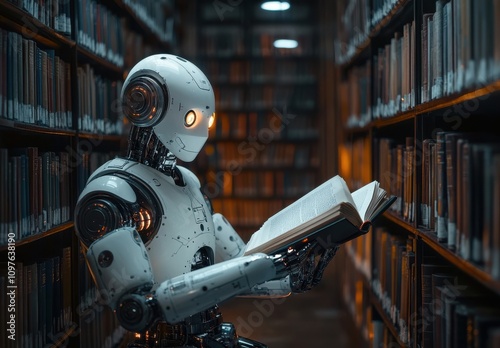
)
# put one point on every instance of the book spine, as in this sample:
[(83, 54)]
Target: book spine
[(442, 204)]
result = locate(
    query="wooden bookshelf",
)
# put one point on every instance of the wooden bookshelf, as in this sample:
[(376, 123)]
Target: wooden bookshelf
[(41, 110), (391, 119)]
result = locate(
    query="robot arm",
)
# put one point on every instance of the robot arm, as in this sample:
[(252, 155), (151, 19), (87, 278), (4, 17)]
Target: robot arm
[(121, 268)]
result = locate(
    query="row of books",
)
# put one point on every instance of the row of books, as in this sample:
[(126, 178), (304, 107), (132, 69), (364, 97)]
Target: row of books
[(460, 46), (458, 198), (265, 97), (380, 266), (353, 28), (100, 30), (381, 8), (269, 125), (106, 33), (259, 71), (394, 73), (455, 311), (36, 185), (259, 184), (395, 166), (382, 336), (461, 195), (450, 303), (393, 280), (54, 14), (100, 107), (35, 83), (252, 153), (42, 301)]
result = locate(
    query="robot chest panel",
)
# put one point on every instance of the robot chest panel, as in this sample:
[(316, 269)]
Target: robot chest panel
[(186, 228)]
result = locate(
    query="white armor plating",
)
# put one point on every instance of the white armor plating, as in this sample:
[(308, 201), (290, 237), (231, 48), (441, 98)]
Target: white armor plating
[(119, 274), (227, 241)]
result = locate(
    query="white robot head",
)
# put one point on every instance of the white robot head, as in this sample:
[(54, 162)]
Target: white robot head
[(175, 98)]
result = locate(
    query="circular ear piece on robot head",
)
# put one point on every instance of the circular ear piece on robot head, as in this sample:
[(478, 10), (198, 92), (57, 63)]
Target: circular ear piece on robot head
[(144, 100)]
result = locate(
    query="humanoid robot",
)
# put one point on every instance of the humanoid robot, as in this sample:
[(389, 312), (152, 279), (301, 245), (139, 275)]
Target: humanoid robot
[(159, 255)]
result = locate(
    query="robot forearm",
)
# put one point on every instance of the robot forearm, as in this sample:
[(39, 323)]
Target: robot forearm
[(193, 292), (271, 289)]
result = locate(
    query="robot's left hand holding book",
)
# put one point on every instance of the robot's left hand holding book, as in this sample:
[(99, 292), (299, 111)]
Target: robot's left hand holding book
[(159, 255)]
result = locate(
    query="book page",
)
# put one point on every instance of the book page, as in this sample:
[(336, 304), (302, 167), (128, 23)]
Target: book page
[(324, 197), (363, 196), (368, 199)]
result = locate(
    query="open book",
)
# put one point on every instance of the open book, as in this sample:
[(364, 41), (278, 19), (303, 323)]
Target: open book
[(329, 214)]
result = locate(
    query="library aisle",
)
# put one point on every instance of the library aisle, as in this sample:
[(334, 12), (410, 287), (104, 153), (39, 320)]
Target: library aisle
[(313, 319)]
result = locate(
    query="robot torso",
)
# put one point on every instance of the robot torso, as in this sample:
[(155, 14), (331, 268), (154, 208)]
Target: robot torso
[(174, 222)]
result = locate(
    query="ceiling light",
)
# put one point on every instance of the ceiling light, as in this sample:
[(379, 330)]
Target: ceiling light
[(275, 5), (285, 43)]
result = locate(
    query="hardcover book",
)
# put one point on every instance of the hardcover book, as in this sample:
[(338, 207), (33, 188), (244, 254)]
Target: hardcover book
[(329, 214)]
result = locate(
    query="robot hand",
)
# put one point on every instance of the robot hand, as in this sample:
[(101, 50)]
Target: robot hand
[(306, 265)]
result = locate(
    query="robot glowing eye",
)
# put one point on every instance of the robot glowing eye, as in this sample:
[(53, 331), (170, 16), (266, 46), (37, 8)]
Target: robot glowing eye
[(211, 120), (190, 118)]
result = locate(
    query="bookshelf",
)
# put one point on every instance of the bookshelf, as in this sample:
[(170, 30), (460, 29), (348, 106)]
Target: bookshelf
[(417, 84), (262, 152), (61, 68)]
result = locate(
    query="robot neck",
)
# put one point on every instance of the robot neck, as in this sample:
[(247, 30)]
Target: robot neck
[(145, 147)]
